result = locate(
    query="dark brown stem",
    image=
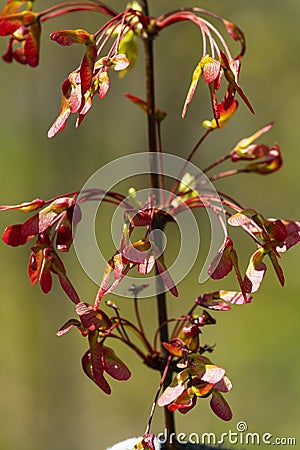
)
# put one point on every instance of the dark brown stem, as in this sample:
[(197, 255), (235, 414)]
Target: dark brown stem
[(152, 125), (228, 173), (144, 4), (158, 220), (216, 163)]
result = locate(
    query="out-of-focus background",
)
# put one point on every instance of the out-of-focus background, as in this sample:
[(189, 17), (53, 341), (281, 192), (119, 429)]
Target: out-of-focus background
[(46, 400)]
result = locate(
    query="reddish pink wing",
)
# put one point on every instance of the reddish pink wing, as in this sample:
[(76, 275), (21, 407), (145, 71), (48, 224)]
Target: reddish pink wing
[(114, 366), (220, 407), (32, 45)]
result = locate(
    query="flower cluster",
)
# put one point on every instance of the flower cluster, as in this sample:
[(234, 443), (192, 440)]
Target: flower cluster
[(200, 379), (51, 226), (95, 324), (213, 66), (92, 77), (143, 254), (81, 85)]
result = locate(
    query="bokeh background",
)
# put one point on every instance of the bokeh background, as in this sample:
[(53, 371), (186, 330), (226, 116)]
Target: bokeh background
[(46, 401)]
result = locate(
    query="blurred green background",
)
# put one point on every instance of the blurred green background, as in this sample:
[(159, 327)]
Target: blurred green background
[(46, 400)]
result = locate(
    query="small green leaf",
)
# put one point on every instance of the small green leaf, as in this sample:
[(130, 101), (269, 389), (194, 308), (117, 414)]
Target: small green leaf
[(129, 47), (195, 78)]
